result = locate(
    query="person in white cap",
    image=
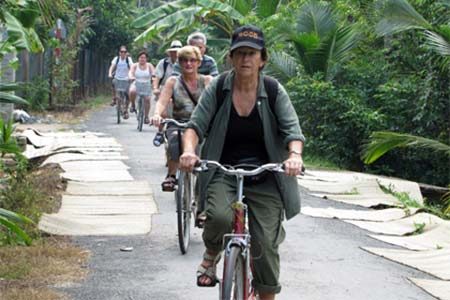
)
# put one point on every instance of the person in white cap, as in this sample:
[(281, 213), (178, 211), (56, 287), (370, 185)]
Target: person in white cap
[(164, 70)]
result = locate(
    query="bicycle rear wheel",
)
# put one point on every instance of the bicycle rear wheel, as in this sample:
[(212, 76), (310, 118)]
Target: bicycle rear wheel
[(234, 283), (140, 117), (183, 196)]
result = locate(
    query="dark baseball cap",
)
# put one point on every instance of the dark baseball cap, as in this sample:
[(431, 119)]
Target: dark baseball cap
[(247, 36)]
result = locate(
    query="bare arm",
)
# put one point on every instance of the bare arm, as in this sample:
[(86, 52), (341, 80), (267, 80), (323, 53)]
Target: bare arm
[(163, 101), (111, 69), (293, 165), (188, 159), (132, 72)]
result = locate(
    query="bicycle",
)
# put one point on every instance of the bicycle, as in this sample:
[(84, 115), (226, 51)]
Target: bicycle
[(121, 87), (237, 271), (143, 90), (184, 192)]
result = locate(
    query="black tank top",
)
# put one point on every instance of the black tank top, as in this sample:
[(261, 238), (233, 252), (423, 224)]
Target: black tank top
[(244, 140)]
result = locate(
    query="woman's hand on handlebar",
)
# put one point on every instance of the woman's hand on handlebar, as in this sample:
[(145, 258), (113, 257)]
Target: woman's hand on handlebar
[(188, 160), (293, 165), (156, 120)]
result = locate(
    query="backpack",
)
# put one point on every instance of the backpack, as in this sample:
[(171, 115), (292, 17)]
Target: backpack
[(270, 84), (166, 63)]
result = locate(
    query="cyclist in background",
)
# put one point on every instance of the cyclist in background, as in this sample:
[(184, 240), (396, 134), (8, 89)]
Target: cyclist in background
[(209, 65), (164, 70), (245, 126), (142, 72), (120, 65), (184, 90)]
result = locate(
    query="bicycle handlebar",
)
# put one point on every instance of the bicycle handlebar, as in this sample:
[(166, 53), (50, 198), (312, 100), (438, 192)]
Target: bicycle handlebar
[(204, 165), (175, 122)]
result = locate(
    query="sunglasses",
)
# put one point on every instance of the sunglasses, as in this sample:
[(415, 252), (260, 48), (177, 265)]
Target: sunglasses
[(186, 60), (121, 51)]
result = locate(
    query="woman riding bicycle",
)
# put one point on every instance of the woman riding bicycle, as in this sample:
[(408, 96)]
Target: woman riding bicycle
[(185, 91), (243, 127), (142, 72)]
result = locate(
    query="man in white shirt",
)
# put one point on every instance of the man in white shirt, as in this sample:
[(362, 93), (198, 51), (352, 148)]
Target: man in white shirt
[(164, 70)]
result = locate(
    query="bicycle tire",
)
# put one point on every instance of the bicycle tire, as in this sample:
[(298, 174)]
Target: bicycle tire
[(118, 108), (233, 285), (140, 117), (183, 199)]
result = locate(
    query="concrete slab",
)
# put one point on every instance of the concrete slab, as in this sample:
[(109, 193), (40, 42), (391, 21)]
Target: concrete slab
[(434, 262), (65, 157), (437, 288), (436, 238), (109, 188), (381, 215), (97, 175), (403, 226), (368, 200), (93, 166), (83, 225), (315, 177)]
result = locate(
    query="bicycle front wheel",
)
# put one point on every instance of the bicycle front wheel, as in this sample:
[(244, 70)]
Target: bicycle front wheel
[(183, 198), (234, 285), (140, 117), (118, 107)]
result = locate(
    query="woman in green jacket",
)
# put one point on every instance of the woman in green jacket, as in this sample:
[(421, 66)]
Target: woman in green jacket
[(245, 126)]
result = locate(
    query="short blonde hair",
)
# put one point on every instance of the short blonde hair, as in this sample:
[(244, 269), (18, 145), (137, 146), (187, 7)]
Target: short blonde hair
[(188, 52)]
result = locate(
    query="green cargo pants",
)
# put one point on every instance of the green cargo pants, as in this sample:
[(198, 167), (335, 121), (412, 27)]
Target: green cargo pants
[(265, 213)]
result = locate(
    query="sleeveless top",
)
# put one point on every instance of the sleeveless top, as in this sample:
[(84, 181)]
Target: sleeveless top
[(143, 77), (182, 103)]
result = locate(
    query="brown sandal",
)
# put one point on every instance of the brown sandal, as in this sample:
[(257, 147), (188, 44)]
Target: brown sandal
[(168, 185)]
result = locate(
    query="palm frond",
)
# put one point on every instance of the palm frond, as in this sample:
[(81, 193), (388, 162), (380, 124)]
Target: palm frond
[(266, 8), (176, 21), (338, 47), (398, 16), (244, 7), (315, 17), (12, 227), (438, 43), (282, 66), (383, 141), (160, 13)]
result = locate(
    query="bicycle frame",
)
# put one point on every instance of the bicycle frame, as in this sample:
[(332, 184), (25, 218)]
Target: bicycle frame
[(240, 237)]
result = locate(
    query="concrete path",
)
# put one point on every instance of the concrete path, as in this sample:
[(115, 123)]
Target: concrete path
[(321, 258)]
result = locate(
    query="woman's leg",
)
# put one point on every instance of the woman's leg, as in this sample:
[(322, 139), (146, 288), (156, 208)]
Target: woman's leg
[(219, 217), (132, 96), (146, 108), (266, 213)]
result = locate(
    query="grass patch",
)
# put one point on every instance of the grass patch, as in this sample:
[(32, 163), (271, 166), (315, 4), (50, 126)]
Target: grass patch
[(316, 162), (32, 193), (26, 272)]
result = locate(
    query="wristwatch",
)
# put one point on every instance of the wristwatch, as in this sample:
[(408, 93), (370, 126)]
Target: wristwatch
[(295, 152)]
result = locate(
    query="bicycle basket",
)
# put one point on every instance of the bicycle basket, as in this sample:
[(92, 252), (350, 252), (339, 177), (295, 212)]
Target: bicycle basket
[(121, 85), (143, 88)]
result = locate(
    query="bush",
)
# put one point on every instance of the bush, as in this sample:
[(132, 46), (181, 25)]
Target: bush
[(37, 92), (334, 120)]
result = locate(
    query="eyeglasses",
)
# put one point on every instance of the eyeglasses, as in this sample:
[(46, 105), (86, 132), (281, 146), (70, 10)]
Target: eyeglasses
[(186, 60)]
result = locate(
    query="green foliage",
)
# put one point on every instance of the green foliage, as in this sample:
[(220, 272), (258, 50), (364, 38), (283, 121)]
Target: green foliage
[(10, 230), (335, 120), (383, 141), (322, 42), (36, 92), (7, 97), (8, 143)]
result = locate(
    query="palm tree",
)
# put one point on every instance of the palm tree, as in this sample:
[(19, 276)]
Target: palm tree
[(399, 16), (382, 142), (322, 44)]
